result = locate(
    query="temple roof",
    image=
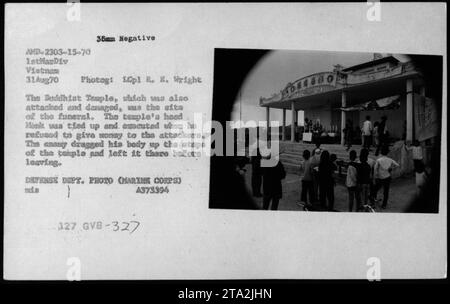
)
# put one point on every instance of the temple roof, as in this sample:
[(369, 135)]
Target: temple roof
[(390, 59)]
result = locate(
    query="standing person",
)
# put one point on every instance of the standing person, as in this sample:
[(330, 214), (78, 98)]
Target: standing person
[(272, 189), (333, 160), (417, 153), (367, 133), (307, 180), (358, 131), (317, 130), (315, 161), (375, 134), (352, 182), (364, 176), (256, 174), (383, 139), (348, 134), (382, 173), (308, 125), (421, 177), (326, 181)]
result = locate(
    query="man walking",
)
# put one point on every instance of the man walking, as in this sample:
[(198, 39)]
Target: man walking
[(382, 172)]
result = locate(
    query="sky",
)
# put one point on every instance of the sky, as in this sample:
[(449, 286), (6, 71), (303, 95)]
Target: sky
[(278, 68)]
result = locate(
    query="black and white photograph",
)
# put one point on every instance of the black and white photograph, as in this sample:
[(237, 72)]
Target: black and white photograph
[(357, 132), (233, 150)]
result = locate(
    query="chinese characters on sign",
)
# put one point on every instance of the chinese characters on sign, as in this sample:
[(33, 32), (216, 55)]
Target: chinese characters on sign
[(309, 85), (312, 84)]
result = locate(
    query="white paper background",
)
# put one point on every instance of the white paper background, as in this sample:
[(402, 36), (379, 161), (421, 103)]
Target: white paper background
[(179, 236)]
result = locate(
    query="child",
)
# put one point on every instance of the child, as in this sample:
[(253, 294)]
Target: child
[(333, 159), (364, 176), (326, 181), (307, 180), (352, 182), (421, 177), (315, 161), (417, 154)]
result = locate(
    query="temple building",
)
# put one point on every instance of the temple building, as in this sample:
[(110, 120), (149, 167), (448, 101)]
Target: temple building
[(381, 87)]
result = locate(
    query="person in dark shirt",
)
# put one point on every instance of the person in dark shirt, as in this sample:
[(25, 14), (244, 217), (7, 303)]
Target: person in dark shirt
[(307, 180), (315, 161), (326, 180), (348, 134), (383, 135), (272, 188), (256, 174), (364, 176), (351, 182)]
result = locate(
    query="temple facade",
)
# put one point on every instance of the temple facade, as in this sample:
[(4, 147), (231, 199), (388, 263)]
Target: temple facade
[(381, 87)]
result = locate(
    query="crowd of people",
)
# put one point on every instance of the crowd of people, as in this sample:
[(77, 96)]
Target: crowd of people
[(365, 177)]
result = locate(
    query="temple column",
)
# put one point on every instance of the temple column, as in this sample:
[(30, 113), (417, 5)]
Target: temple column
[(409, 110), (293, 121), (343, 115), (268, 119), (284, 125), (296, 122)]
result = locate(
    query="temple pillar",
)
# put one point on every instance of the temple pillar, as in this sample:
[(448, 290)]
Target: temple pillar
[(284, 125), (293, 121), (409, 110), (343, 115)]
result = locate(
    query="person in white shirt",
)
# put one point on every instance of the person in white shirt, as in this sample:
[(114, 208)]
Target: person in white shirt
[(417, 154), (367, 133), (382, 173), (421, 177)]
